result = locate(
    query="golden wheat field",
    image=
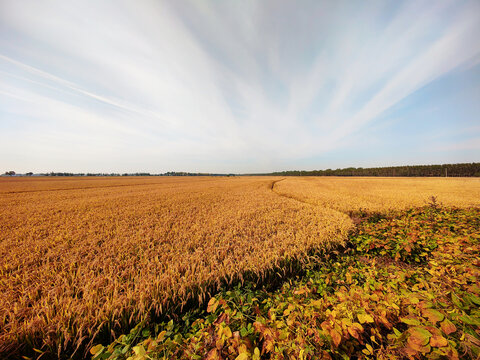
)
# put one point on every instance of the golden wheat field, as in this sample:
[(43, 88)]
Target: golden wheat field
[(374, 194), (84, 255)]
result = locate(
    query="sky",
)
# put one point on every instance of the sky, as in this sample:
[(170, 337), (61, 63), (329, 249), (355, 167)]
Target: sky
[(237, 86)]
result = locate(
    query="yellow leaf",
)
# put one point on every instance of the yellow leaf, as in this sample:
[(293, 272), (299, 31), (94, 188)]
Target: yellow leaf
[(256, 354), (364, 318), (395, 306), (139, 350), (419, 339), (413, 300), (268, 345), (448, 327), (161, 336), (227, 332), (355, 330), (336, 337), (96, 349), (212, 355), (242, 356), (438, 341), (212, 305)]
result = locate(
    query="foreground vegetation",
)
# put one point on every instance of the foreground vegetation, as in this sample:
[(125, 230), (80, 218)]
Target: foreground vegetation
[(406, 286)]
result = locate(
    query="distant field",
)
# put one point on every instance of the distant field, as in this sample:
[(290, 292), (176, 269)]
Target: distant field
[(372, 194), (82, 255)]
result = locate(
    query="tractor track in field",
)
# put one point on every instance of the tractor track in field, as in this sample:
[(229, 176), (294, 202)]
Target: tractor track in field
[(352, 216), (303, 201)]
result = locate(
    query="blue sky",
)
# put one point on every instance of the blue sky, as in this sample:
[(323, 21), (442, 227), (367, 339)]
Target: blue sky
[(237, 86)]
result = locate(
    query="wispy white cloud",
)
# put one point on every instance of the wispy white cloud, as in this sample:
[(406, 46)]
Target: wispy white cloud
[(452, 49), (213, 86)]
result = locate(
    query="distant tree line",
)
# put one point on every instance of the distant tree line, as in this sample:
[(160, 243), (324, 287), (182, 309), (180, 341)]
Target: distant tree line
[(170, 173), (454, 170), (457, 170), (93, 174), (13, 173), (181, 173)]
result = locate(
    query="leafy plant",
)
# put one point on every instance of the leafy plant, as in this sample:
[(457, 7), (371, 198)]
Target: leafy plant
[(376, 301)]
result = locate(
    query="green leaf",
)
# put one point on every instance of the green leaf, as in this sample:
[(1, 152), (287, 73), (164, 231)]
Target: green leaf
[(474, 299), (433, 315), (456, 301), (396, 332), (410, 321), (469, 320), (243, 332)]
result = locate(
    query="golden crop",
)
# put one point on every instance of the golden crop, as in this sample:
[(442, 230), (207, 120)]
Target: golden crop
[(80, 255), (380, 194), (77, 255)]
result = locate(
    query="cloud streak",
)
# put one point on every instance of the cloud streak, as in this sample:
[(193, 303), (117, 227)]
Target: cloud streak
[(222, 86)]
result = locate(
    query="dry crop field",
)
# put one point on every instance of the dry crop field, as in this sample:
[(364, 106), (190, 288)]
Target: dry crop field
[(374, 194), (84, 256)]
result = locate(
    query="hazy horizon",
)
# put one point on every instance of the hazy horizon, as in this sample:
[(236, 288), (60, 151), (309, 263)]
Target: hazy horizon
[(221, 173), (237, 87)]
